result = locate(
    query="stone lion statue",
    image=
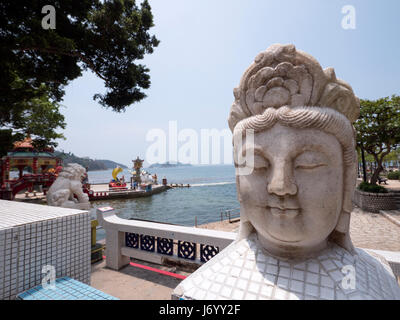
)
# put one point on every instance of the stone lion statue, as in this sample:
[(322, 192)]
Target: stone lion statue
[(68, 185)]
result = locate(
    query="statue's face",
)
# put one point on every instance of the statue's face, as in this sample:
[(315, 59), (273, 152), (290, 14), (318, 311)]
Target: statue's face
[(293, 197)]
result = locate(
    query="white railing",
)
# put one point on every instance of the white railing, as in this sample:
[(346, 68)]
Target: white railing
[(157, 242)]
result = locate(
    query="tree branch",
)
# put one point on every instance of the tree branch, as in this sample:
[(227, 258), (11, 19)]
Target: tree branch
[(67, 53)]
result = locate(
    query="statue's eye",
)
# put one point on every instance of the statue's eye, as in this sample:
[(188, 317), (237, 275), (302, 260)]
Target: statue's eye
[(310, 160), (253, 159)]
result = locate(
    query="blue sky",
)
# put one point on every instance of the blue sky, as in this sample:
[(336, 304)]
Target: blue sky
[(207, 45)]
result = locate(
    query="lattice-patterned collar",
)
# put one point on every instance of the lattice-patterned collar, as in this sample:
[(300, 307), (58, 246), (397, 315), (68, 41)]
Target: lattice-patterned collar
[(244, 271)]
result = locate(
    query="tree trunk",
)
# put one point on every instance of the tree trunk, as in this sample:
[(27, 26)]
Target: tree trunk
[(363, 164), (377, 171)]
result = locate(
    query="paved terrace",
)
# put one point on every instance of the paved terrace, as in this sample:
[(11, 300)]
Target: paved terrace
[(368, 230), (133, 283)]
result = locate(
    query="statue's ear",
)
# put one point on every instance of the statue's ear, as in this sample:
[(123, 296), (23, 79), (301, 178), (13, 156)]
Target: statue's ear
[(341, 234), (238, 188), (343, 224), (245, 228)]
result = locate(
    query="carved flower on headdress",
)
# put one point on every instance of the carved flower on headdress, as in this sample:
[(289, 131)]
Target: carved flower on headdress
[(283, 76), (284, 85)]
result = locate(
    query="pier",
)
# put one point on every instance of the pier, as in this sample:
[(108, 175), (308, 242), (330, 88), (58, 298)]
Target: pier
[(179, 185), (102, 192)]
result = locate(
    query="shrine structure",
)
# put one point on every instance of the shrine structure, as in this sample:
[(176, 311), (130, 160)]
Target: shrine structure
[(42, 164)]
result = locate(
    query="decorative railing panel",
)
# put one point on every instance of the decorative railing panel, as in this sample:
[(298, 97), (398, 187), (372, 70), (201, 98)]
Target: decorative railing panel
[(147, 243), (165, 246), (132, 240), (155, 242), (187, 250), (207, 252)]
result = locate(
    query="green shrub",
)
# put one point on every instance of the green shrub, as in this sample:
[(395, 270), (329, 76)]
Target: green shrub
[(394, 175), (373, 188)]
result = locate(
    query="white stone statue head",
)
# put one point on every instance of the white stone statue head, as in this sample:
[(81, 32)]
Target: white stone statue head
[(297, 195), (73, 171)]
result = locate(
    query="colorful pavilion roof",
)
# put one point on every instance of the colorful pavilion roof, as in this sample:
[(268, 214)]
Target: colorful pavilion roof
[(24, 144), (25, 149)]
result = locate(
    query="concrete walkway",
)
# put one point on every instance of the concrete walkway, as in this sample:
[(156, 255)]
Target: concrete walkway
[(392, 215), (374, 231), (133, 283), (392, 184)]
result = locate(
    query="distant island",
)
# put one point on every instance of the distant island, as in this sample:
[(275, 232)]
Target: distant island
[(169, 165), (91, 164)]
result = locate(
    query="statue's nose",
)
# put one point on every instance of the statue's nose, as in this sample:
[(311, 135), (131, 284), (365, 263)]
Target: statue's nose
[(282, 183)]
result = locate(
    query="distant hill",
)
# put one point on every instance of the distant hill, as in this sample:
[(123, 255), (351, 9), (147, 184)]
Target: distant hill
[(169, 165), (87, 162), (112, 164)]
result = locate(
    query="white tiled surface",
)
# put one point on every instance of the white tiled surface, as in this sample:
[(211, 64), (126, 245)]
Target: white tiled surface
[(32, 236), (244, 271), (14, 213)]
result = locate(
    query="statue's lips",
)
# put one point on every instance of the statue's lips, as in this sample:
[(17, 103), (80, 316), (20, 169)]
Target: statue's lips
[(284, 212)]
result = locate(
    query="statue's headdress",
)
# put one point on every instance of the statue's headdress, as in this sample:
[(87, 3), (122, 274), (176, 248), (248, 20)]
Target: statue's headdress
[(284, 76)]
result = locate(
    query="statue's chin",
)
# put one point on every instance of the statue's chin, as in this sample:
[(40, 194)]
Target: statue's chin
[(286, 243), (282, 226), (283, 240)]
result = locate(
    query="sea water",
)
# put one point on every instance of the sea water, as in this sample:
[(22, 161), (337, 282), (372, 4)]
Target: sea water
[(212, 190)]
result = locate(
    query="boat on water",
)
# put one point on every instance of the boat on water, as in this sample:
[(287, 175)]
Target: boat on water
[(142, 184), (125, 194), (116, 184)]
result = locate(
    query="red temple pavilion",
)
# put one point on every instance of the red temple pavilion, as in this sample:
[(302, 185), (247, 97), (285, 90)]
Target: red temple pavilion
[(42, 164)]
